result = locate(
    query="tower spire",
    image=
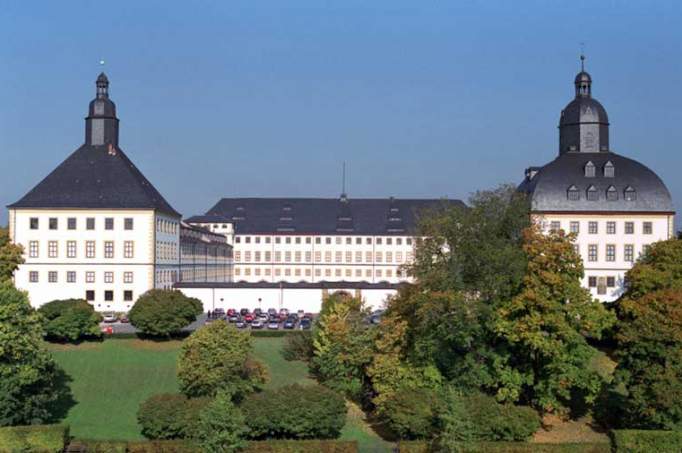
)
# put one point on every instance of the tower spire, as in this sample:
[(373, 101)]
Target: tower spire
[(344, 196), (101, 124)]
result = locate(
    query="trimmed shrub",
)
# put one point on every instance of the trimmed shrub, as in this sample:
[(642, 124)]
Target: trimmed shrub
[(36, 438), (162, 312), (413, 413), (100, 446), (479, 417), (302, 446), (163, 446), (170, 416), (639, 441), (221, 426), (295, 411), (70, 320), (522, 447), (298, 346), (218, 357)]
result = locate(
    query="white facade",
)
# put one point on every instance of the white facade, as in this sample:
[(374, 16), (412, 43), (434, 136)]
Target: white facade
[(108, 257), (609, 244)]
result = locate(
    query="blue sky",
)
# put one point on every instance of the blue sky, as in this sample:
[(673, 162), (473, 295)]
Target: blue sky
[(268, 98)]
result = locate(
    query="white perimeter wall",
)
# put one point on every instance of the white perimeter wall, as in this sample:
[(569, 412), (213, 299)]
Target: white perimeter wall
[(309, 300)]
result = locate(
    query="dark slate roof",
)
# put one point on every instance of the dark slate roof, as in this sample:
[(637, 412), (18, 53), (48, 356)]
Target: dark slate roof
[(549, 187), (358, 216), (96, 177)]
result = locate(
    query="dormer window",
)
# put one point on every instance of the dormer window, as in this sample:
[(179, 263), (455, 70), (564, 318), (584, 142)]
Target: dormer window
[(592, 194), (611, 194), (630, 194), (609, 170), (573, 193), (589, 170)]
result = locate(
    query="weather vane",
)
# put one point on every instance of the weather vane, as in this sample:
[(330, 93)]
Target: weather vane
[(582, 56)]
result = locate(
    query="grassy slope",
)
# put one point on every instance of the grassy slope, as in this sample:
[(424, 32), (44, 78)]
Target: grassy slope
[(111, 378)]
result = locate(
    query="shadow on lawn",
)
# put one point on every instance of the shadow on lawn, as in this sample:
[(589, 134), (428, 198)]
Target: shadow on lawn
[(64, 401)]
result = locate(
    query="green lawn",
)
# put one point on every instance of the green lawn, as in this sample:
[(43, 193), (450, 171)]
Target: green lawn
[(111, 378)]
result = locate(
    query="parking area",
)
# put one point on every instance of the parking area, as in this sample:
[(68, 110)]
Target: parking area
[(259, 319)]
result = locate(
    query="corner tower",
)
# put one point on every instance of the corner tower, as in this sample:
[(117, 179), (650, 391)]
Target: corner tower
[(101, 124)]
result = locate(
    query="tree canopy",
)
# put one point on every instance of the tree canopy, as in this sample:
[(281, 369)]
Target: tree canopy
[(11, 256), (162, 312)]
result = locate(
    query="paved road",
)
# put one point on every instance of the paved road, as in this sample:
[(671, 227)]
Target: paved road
[(120, 327)]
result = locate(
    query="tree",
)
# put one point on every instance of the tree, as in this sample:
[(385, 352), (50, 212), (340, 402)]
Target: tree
[(221, 427), (11, 256), (649, 342), (218, 357), (546, 326), (342, 345), (161, 312), (70, 320), (317, 413), (29, 377), (170, 416)]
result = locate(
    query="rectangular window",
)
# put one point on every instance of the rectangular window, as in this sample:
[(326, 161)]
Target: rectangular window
[(298, 239), (358, 257), (89, 295), (90, 223), (33, 277), (647, 228), (610, 252), (237, 256), (398, 257), (318, 241), (89, 249), (33, 249), (109, 223), (575, 227), (53, 223), (33, 222), (128, 223), (555, 226), (611, 282), (257, 239), (308, 257), (378, 257), (267, 240), (278, 257), (108, 249), (592, 282), (71, 223), (610, 227), (128, 295), (593, 227), (349, 257), (70, 249), (268, 257), (327, 257), (368, 257), (389, 257), (337, 257), (629, 227), (629, 253), (108, 277), (318, 257), (127, 277), (52, 277), (128, 249), (89, 277), (70, 277), (297, 257), (108, 296), (52, 249), (592, 252), (408, 241), (287, 257)]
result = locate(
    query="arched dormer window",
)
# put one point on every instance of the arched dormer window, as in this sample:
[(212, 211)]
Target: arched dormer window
[(611, 194), (573, 193), (609, 170), (630, 194), (589, 170), (592, 194)]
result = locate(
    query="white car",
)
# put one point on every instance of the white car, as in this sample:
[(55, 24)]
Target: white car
[(109, 317), (273, 325)]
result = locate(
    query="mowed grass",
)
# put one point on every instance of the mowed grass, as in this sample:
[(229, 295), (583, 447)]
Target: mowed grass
[(110, 379)]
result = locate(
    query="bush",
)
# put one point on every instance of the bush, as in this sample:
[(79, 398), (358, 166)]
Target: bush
[(218, 357), (170, 416), (413, 413), (298, 346), (37, 438), (221, 426), (70, 320), (162, 446), (295, 412), (522, 447), (302, 446), (160, 312), (479, 417), (637, 441)]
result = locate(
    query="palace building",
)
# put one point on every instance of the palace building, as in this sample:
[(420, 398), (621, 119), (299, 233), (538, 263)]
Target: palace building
[(615, 205), (96, 228)]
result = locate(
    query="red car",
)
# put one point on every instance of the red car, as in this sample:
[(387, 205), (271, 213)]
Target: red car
[(248, 317), (231, 311)]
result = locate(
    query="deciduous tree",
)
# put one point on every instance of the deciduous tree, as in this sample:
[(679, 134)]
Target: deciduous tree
[(11, 256)]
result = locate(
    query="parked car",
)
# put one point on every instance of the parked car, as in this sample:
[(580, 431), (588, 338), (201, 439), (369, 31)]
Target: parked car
[(124, 318), (241, 325), (257, 311), (305, 324), (272, 312), (273, 325), (282, 317), (244, 311), (284, 311), (248, 317), (218, 313), (263, 317), (308, 316), (256, 324), (231, 311), (234, 318), (109, 316), (300, 314), (290, 323)]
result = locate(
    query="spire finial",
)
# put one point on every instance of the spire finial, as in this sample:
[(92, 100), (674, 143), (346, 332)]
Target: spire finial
[(343, 181), (582, 56)]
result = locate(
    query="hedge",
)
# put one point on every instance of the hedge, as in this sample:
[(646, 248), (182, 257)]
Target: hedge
[(183, 446), (510, 447), (36, 438), (302, 446), (639, 441)]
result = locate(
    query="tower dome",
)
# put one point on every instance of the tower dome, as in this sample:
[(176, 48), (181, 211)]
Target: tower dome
[(584, 124)]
